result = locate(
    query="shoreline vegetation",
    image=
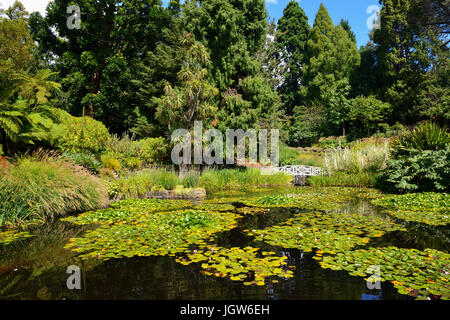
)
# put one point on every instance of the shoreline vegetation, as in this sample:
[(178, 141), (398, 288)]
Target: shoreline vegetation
[(49, 184)]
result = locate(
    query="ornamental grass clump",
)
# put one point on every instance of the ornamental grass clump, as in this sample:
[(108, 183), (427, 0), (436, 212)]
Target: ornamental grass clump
[(44, 186), (358, 158)]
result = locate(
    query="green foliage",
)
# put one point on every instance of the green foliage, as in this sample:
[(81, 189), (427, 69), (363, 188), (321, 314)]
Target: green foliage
[(16, 53), (367, 114), (47, 187), (139, 184), (404, 63), (344, 179), (153, 150), (38, 87), (85, 160), (214, 181), (288, 156), (232, 32), (430, 208), (426, 136), (127, 210), (426, 273), (239, 264), (192, 98), (292, 36), (10, 236), (81, 135), (191, 180), (138, 228), (97, 62), (109, 162), (420, 172), (331, 232), (420, 160), (332, 142), (306, 127)]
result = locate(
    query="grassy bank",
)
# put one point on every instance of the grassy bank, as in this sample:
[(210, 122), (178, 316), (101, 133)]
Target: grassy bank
[(45, 187)]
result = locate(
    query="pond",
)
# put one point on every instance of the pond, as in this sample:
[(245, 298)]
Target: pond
[(274, 243)]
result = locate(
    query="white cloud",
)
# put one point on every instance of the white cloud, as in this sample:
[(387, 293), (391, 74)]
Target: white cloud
[(272, 1), (30, 5)]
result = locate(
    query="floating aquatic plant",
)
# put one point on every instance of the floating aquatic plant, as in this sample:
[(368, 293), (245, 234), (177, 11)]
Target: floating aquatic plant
[(249, 265), (215, 207), (127, 210), (419, 274), (155, 234), (252, 210), (330, 232), (318, 200), (430, 208), (10, 236)]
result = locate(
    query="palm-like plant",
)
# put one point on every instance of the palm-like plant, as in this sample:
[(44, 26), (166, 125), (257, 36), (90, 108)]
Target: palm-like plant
[(38, 88), (12, 120), (426, 136)]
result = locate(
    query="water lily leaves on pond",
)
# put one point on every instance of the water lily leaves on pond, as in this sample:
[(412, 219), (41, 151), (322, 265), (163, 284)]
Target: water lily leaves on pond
[(252, 210), (156, 234), (420, 274), (126, 210), (318, 199), (429, 208), (330, 232), (248, 265), (215, 207), (223, 200), (7, 237)]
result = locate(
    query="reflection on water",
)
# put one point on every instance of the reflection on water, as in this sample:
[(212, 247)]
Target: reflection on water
[(36, 268)]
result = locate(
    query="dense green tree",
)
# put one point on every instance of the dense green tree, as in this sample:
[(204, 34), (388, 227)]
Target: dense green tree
[(344, 24), (334, 57), (408, 49), (292, 36), (97, 61), (193, 98), (366, 115), (37, 87), (16, 49), (233, 32)]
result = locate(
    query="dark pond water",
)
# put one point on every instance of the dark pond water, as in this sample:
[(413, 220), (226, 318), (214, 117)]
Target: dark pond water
[(35, 268)]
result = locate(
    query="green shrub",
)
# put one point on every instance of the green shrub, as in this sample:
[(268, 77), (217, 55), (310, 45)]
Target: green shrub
[(427, 136), (134, 154), (153, 150), (387, 131), (47, 187), (133, 163), (1, 150), (420, 172), (85, 160), (81, 135), (109, 162)]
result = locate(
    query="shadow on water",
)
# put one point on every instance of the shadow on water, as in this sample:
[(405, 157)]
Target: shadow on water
[(35, 268)]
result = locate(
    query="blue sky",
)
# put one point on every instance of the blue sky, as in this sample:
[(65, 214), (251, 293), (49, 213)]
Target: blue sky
[(355, 11)]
